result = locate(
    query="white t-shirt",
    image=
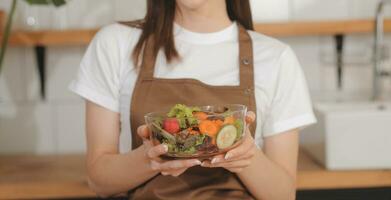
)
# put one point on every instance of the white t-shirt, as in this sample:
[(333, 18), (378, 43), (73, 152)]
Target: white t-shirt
[(107, 75)]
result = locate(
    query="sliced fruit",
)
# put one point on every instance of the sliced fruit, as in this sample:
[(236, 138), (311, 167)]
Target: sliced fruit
[(208, 127), (171, 125), (226, 136)]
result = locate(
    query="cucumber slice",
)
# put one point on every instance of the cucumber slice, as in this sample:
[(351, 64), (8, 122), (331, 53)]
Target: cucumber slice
[(226, 136)]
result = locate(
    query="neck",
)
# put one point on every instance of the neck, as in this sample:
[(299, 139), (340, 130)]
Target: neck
[(210, 17)]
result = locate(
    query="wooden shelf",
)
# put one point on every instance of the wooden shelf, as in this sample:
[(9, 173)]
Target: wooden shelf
[(52, 38), (83, 37), (320, 28), (44, 177)]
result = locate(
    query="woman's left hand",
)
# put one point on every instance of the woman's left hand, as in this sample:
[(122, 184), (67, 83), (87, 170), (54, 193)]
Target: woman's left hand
[(238, 158)]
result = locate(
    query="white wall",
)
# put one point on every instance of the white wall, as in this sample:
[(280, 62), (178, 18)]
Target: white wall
[(28, 125)]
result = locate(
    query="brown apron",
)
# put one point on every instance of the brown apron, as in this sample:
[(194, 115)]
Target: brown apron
[(152, 94)]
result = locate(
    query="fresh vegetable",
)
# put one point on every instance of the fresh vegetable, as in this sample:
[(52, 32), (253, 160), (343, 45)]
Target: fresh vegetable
[(187, 146), (218, 122), (190, 150), (171, 125), (171, 146), (229, 120), (208, 127), (201, 115), (226, 136), (239, 126), (164, 133), (200, 139), (184, 115), (190, 131)]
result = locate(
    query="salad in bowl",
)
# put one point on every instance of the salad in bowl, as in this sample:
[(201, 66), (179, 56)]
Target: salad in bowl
[(200, 131)]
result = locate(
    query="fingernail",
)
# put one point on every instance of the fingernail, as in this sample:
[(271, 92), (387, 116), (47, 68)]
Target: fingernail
[(203, 164), (197, 162), (227, 156), (214, 160)]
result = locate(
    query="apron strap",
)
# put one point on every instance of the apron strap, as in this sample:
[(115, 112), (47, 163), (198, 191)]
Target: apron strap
[(148, 62), (245, 60)]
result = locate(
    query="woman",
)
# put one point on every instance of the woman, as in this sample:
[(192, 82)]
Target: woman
[(194, 52)]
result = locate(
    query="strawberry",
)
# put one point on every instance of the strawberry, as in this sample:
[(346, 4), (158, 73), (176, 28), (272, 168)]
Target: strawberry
[(171, 125)]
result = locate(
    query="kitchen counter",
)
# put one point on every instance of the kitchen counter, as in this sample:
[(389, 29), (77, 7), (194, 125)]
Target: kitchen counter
[(44, 177), (313, 176)]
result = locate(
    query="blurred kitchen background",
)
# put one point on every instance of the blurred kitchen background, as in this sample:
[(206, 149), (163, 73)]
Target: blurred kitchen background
[(55, 125)]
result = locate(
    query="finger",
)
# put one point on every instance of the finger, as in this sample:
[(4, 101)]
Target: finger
[(243, 148), (250, 117), (143, 132), (178, 172), (234, 164), (174, 172), (217, 158), (231, 164), (221, 159), (148, 144), (235, 170), (156, 151), (178, 164), (164, 173), (206, 163), (155, 165)]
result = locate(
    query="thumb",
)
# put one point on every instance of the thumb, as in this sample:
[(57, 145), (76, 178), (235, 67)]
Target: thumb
[(143, 132), (250, 117)]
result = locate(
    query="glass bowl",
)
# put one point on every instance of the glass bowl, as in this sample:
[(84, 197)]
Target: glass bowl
[(197, 132)]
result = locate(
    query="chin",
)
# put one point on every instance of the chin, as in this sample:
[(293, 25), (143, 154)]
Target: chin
[(191, 4)]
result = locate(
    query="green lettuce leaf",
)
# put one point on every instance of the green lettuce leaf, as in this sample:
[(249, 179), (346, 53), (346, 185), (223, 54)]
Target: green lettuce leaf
[(239, 126), (184, 114)]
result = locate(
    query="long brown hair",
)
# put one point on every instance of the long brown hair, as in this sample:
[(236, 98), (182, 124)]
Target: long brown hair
[(159, 21)]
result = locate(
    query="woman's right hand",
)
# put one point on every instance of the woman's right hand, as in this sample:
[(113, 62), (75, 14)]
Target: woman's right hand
[(153, 153)]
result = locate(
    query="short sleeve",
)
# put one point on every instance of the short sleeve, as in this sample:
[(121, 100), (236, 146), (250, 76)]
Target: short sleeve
[(291, 105), (98, 77)]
